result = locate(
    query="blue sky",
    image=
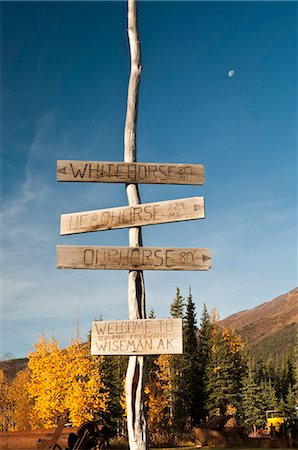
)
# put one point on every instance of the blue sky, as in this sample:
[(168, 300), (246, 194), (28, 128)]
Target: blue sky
[(65, 68)]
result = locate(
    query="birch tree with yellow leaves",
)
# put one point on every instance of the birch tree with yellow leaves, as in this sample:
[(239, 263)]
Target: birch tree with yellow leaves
[(158, 391), (65, 379)]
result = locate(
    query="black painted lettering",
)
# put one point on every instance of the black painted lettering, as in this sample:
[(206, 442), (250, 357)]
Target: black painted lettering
[(171, 171), (162, 170), (88, 256), (73, 223), (111, 328), (105, 218), (168, 263), (187, 172), (169, 325), (127, 215), (158, 257), (181, 173), (101, 346), (100, 328), (131, 344), (98, 172), (137, 211), (140, 345), (132, 171), (110, 170), (124, 327), (155, 212), (146, 256), (93, 220), (142, 172), (79, 172), (123, 256), (161, 344), (153, 170), (81, 221), (115, 346), (112, 254), (135, 257), (148, 212), (169, 344)]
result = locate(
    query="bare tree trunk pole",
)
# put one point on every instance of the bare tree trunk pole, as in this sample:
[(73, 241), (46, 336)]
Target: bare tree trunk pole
[(136, 421)]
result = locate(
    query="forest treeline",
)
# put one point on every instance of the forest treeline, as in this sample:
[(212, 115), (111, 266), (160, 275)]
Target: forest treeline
[(215, 375)]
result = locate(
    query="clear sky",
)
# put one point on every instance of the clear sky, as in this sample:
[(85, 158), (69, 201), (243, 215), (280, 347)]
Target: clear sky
[(65, 68)]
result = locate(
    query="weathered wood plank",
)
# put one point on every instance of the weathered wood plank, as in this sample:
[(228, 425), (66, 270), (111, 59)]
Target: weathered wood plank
[(132, 216), (132, 258), (137, 337), (130, 172)]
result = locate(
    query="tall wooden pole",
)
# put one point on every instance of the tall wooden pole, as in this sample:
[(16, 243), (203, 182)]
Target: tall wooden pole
[(136, 421)]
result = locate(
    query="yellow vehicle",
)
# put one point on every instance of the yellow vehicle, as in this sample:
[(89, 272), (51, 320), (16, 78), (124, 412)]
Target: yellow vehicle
[(274, 421)]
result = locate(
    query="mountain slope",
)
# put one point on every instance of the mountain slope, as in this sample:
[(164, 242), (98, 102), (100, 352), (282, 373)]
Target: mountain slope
[(267, 319)]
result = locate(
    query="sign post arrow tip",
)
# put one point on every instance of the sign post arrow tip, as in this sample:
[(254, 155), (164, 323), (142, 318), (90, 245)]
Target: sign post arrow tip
[(62, 170)]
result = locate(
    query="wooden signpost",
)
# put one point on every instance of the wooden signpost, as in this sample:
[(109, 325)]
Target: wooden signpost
[(132, 216), (130, 172), (137, 337), (132, 258)]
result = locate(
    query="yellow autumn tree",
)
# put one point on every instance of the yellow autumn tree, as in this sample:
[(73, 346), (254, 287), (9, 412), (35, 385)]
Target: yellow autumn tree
[(5, 404), (158, 391), (65, 379), (86, 394), (23, 415), (122, 399), (48, 386)]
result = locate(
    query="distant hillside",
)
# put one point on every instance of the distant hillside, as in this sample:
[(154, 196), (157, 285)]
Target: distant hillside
[(11, 367), (269, 327)]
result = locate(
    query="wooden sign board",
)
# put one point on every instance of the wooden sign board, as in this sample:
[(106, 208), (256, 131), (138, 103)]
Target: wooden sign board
[(132, 258), (121, 172), (132, 216), (137, 337)]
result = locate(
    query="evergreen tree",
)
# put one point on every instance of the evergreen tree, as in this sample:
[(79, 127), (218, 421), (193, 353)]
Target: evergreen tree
[(177, 306), (176, 370), (204, 353), (113, 372), (150, 374), (224, 370), (269, 399), (251, 410), (291, 400), (150, 359), (289, 379), (192, 382), (151, 314)]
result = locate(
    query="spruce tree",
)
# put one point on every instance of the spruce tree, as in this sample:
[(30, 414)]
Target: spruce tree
[(192, 387), (204, 353), (150, 360), (251, 410), (177, 306), (114, 368), (269, 399), (224, 370), (176, 369)]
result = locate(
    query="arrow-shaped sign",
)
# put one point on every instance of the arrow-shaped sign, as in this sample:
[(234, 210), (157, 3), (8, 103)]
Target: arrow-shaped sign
[(133, 216), (121, 172), (132, 258)]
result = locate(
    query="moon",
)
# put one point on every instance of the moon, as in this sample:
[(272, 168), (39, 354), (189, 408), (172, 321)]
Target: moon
[(231, 73)]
